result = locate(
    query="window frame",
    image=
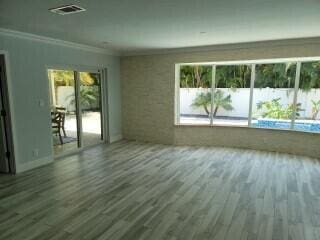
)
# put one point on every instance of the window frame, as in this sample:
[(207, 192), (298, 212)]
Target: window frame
[(252, 63)]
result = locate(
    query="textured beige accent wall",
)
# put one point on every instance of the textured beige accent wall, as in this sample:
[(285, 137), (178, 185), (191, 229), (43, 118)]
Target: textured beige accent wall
[(260, 139), (148, 89)]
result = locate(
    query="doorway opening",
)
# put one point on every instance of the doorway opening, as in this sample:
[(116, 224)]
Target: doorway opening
[(76, 109), (7, 160)]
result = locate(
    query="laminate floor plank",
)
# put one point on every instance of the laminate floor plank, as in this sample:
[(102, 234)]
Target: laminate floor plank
[(142, 191)]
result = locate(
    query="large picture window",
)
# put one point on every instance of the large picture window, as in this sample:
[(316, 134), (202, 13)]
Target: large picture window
[(273, 95), (195, 94), (231, 95), (279, 94), (308, 98)]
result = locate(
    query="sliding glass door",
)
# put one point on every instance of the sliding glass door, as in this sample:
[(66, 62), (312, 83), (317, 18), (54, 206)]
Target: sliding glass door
[(90, 105), (76, 109), (64, 118)]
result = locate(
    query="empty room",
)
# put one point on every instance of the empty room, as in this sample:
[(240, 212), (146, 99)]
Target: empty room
[(159, 120)]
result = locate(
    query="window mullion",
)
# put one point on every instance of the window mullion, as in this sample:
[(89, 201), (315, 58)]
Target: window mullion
[(253, 78), (213, 86), (177, 99), (295, 97), (78, 108)]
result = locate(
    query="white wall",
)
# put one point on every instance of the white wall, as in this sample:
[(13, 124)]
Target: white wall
[(240, 100), (29, 84)]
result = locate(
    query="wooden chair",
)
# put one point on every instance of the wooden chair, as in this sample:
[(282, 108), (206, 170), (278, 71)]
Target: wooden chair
[(63, 112), (57, 122)]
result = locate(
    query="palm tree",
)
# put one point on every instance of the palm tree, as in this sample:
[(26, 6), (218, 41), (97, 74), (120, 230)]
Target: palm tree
[(202, 100), (219, 100)]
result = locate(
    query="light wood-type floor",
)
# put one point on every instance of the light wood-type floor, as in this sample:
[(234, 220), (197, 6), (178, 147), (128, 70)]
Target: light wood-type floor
[(88, 139), (131, 190)]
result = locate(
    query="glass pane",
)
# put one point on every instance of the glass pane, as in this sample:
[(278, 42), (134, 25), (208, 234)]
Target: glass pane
[(90, 105), (195, 94), (63, 110), (232, 95), (273, 95), (308, 98)]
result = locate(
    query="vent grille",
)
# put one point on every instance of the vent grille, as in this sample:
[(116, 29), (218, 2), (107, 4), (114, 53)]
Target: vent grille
[(68, 9)]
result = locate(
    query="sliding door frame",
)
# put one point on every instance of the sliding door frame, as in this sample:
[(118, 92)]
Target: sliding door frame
[(78, 107), (103, 98), (7, 116), (99, 72)]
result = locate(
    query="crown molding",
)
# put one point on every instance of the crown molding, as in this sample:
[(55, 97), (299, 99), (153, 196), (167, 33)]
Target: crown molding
[(224, 47), (54, 41)]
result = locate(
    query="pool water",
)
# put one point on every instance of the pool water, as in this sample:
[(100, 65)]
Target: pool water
[(301, 126)]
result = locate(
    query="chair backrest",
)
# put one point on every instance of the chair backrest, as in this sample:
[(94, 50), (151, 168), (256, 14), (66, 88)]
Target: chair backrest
[(57, 120), (62, 111)]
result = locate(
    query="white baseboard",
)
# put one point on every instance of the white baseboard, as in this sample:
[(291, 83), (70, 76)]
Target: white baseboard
[(22, 167), (115, 138)]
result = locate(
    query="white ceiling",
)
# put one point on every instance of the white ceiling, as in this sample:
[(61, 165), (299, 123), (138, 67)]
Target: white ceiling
[(142, 25)]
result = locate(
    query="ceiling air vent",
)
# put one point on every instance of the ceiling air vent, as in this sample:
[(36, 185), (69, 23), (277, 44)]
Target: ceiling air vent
[(68, 9)]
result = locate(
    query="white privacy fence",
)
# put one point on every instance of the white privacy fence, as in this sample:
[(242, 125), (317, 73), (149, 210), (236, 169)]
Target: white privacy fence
[(64, 96), (240, 100)]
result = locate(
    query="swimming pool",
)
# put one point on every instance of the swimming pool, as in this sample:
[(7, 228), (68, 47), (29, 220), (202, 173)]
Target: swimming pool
[(307, 126)]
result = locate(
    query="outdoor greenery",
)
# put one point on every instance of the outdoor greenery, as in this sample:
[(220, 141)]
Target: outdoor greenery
[(234, 76), (273, 109), (61, 77), (195, 76), (66, 78), (89, 79), (219, 101), (278, 75), (310, 75), (315, 109), (88, 97), (89, 89)]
